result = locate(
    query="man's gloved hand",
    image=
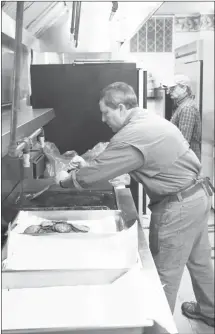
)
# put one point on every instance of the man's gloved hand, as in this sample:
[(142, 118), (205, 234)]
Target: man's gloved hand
[(76, 163), (60, 176), (69, 178)]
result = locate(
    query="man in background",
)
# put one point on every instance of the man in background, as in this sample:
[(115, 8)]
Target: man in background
[(186, 115)]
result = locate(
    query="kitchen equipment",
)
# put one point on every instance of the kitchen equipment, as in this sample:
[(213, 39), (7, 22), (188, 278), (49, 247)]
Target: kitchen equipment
[(83, 129), (67, 199), (110, 243)]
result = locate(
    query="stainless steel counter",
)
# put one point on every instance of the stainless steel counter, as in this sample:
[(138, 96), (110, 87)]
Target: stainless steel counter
[(135, 304)]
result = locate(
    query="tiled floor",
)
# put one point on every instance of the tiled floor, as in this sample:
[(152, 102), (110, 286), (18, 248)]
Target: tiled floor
[(183, 324), (185, 293)]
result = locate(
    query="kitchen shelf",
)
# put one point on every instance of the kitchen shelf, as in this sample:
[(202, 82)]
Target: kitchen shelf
[(28, 121)]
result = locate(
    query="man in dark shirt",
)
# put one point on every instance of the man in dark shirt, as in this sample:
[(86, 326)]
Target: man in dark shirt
[(155, 153), (186, 115)]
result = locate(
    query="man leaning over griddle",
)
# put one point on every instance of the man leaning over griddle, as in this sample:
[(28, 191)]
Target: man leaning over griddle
[(155, 153)]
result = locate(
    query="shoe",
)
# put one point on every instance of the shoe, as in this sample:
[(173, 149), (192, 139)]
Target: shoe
[(190, 310)]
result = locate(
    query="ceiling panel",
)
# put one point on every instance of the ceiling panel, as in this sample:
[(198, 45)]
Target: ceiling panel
[(9, 7), (34, 13), (38, 15), (48, 19)]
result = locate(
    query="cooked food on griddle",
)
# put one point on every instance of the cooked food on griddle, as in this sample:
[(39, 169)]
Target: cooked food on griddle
[(32, 229), (45, 230), (80, 228), (46, 223), (55, 226), (62, 227)]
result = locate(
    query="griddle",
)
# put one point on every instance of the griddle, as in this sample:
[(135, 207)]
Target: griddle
[(69, 200)]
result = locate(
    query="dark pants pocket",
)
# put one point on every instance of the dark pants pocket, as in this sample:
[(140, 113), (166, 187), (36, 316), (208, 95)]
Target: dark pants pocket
[(154, 244)]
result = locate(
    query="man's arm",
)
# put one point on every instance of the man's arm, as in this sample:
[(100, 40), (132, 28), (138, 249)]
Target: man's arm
[(187, 122), (117, 159)]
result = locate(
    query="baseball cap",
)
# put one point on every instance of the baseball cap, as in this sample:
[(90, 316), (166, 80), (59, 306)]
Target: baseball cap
[(179, 79)]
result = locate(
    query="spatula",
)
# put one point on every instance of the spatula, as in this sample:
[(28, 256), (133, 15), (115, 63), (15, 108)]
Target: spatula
[(37, 194)]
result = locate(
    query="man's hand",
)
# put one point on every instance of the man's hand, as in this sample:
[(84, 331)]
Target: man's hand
[(60, 176), (67, 180), (76, 163)]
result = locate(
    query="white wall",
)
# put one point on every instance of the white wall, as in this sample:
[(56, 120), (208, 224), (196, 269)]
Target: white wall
[(39, 58), (182, 38), (161, 65), (47, 58), (53, 58), (208, 103), (208, 83)]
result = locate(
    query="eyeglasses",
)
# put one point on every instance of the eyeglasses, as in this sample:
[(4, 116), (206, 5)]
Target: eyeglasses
[(171, 88), (178, 86)]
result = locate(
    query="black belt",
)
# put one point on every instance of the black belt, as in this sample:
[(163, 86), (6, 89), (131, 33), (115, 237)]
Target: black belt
[(202, 184)]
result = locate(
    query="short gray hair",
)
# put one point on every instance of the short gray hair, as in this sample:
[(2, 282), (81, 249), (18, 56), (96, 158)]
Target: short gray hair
[(119, 92)]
